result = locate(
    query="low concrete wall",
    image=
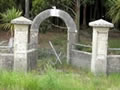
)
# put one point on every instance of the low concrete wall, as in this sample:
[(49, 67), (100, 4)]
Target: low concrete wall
[(6, 61), (81, 59), (113, 63)]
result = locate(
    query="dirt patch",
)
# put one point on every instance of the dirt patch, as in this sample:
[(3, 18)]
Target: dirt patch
[(50, 36), (4, 35), (43, 38), (114, 34)]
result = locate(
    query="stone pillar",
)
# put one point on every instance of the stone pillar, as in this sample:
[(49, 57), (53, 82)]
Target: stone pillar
[(34, 38), (21, 26), (70, 44), (99, 46)]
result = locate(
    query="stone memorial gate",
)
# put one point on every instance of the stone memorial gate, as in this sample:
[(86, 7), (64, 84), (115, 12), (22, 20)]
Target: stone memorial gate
[(24, 56)]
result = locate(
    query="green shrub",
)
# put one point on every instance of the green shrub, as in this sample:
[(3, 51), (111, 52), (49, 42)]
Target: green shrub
[(7, 16), (10, 14)]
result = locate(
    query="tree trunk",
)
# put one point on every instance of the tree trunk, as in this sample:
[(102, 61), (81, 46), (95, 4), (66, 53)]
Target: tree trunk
[(102, 9), (91, 13), (96, 9), (77, 19), (27, 8), (84, 15)]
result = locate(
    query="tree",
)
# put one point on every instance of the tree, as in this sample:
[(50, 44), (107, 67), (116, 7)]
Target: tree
[(78, 13), (40, 5), (77, 19), (27, 8), (85, 3), (6, 4)]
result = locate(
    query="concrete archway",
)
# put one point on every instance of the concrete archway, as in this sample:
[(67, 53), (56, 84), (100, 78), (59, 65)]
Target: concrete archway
[(54, 13)]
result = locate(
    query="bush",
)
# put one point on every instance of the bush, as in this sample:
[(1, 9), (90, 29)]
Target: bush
[(7, 16), (10, 14)]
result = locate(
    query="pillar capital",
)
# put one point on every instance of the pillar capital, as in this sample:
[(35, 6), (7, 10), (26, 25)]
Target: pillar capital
[(101, 24), (21, 21)]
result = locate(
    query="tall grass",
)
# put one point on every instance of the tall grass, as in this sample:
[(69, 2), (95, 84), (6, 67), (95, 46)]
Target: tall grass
[(53, 80)]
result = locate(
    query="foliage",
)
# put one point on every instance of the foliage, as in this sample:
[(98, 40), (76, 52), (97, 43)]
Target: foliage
[(53, 80), (108, 3), (6, 4), (114, 12), (45, 26), (40, 5), (10, 14), (7, 16), (88, 2)]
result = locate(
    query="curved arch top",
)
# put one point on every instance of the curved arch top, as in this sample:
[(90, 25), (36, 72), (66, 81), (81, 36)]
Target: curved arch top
[(54, 13)]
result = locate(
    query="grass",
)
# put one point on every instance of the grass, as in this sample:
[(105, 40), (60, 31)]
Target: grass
[(54, 80), (61, 42), (61, 77)]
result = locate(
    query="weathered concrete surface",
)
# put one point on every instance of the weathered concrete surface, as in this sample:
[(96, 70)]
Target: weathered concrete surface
[(32, 59), (99, 46), (81, 59), (21, 20), (54, 13), (101, 23), (21, 26), (6, 61), (113, 65), (50, 13)]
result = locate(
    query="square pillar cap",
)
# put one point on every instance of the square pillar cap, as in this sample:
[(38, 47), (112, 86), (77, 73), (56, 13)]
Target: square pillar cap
[(101, 23), (21, 20)]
